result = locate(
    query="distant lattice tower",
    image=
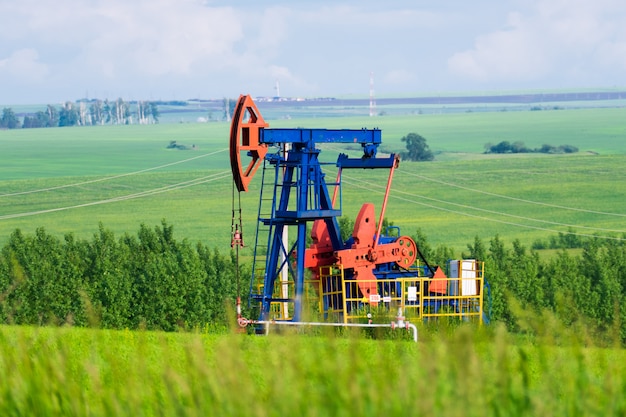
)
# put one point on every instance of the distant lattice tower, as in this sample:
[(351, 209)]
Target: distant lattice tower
[(277, 89), (372, 101)]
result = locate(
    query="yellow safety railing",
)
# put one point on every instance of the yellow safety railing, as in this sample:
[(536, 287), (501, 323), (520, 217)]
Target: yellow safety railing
[(341, 300), (331, 293)]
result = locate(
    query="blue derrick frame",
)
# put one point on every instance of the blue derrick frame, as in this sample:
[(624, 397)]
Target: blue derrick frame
[(304, 180)]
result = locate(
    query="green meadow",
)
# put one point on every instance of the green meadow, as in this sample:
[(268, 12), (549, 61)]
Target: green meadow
[(68, 180)]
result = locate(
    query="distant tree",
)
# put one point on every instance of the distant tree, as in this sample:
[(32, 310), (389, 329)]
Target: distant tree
[(142, 116), (121, 112), (417, 148), (84, 116), (52, 116), (519, 147), (147, 112), (154, 111), (41, 119), (9, 120), (68, 116), (547, 149), (96, 111), (477, 250), (526, 285), (28, 122), (228, 108), (108, 112), (568, 148), (502, 147)]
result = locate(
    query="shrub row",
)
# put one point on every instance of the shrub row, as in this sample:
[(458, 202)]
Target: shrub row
[(586, 287), (154, 281), (147, 281), (519, 147)]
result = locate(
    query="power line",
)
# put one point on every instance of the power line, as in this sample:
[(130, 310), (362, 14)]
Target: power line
[(504, 214), (112, 177), (513, 198), (173, 187), (369, 186), (521, 200)]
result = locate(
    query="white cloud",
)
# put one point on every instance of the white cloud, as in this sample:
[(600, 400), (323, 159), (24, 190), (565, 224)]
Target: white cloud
[(273, 28), (24, 65), (571, 40), (515, 52), (160, 37), (121, 39), (184, 48)]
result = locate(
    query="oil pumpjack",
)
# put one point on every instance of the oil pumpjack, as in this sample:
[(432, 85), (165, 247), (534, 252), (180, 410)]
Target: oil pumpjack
[(369, 268)]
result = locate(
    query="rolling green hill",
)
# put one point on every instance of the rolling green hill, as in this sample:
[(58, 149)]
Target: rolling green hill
[(67, 180)]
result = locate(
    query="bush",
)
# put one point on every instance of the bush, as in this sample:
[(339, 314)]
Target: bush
[(417, 148), (519, 147), (150, 281)]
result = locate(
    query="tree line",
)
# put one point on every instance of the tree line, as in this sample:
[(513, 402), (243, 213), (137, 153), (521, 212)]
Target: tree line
[(150, 281), (585, 288), (519, 147), (85, 113), (154, 281)]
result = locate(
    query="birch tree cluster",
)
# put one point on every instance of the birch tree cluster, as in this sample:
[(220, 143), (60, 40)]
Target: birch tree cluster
[(85, 113)]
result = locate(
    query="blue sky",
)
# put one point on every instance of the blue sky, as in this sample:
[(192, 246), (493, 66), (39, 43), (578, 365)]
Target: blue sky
[(53, 51)]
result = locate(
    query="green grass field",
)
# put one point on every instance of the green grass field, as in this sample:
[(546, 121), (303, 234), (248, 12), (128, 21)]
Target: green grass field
[(70, 179), (452, 372)]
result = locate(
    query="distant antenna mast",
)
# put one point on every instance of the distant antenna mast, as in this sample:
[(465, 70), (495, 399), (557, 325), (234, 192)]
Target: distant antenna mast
[(372, 101), (277, 88)]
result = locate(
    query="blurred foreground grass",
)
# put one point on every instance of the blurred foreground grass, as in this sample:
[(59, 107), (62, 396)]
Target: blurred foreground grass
[(464, 371)]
